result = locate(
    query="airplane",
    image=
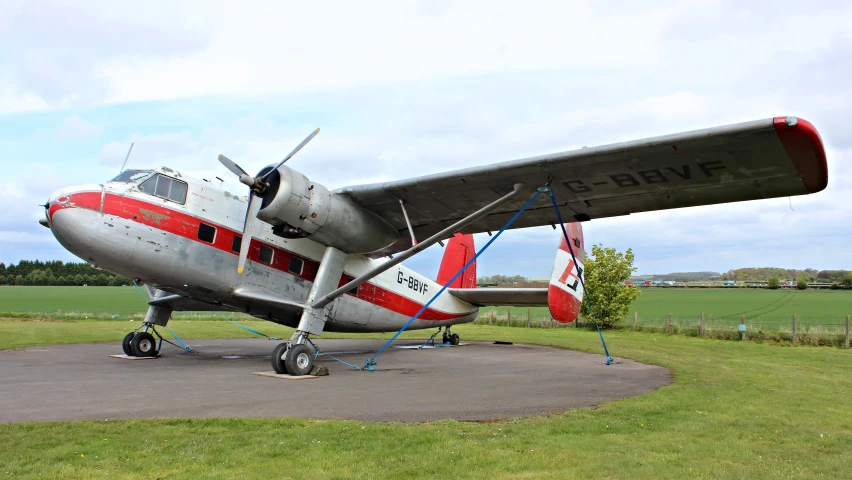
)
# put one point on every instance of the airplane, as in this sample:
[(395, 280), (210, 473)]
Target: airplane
[(295, 253)]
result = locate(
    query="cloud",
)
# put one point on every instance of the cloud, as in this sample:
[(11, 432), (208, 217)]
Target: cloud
[(68, 45), (75, 128)]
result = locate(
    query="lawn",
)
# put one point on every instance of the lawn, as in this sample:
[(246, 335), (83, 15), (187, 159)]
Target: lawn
[(735, 410), (726, 306)]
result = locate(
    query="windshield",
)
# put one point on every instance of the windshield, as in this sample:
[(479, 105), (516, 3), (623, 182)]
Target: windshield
[(129, 176)]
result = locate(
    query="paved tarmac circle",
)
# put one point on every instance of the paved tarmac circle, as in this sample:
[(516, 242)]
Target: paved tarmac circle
[(480, 381)]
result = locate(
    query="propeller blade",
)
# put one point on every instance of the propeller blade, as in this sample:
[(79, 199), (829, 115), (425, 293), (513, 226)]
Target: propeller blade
[(295, 151), (248, 230), (230, 165)]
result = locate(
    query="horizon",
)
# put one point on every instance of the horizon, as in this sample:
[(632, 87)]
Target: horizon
[(500, 83)]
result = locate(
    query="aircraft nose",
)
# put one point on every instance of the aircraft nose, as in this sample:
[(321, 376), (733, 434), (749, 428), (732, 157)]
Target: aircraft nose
[(72, 218)]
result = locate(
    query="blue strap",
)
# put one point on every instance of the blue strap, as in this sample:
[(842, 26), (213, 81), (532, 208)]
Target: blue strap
[(254, 331), (368, 364), (579, 273), (139, 289), (185, 347)]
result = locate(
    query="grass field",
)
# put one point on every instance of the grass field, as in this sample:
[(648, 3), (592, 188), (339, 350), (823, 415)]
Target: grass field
[(817, 306), (735, 410)]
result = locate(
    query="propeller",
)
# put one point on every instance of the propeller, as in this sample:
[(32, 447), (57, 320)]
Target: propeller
[(258, 187)]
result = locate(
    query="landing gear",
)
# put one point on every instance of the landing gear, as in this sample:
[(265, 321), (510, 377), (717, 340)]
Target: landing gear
[(278, 361), (450, 338), (143, 345), (299, 360), (295, 357), (125, 344)]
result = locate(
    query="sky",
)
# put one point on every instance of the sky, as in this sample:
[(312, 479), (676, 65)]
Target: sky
[(403, 89)]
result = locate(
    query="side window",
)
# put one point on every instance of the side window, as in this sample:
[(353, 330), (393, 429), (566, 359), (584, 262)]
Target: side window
[(178, 191), (265, 254), (346, 279), (206, 233), (165, 187), (296, 265), (236, 244)]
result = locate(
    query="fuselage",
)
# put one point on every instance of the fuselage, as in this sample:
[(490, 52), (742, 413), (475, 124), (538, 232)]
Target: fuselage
[(182, 235)]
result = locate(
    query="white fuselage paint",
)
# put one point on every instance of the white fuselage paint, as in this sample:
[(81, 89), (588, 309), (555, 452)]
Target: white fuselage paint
[(179, 263)]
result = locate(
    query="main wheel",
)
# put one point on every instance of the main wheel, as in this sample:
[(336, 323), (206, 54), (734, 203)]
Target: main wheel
[(277, 363), (143, 345), (299, 360), (454, 339), (445, 338), (125, 344)]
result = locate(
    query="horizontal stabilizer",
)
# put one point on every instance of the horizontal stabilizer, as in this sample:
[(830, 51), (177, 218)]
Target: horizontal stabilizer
[(482, 297)]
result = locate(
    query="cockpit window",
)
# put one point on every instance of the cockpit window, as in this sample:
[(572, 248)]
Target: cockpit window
[(130, 176), (165, 187)]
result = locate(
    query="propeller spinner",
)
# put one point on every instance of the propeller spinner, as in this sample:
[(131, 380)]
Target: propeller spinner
[(258, 187)]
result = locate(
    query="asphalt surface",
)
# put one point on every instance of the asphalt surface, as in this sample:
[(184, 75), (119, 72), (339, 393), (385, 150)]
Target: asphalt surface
[(480, 381)]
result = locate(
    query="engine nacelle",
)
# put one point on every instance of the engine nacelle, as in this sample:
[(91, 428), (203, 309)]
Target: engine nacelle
[(299, 208)]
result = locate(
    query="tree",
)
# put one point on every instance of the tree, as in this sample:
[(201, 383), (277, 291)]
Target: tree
[(78, 279), (19, 280), (773, 283), (604, 275), (847, 281), (802, 284), (2, 280)]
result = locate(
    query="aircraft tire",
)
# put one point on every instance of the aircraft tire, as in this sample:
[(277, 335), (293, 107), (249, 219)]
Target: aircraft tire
[(277, 364), (454, 339), (125, 344), (299, 360), (143, 345)]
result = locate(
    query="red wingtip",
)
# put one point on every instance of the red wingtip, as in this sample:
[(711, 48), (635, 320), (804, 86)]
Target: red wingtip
[(804, 146)]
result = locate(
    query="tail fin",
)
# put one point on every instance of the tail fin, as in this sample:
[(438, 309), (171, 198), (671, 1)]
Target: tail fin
[(565, 292), (459, 250)]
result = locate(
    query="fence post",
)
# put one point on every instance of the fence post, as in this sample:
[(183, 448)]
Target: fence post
[(528, 317), (635, 318), (509, 317), (847, 331), (794, 328), (742, 334), (669, 324), (701, 325)]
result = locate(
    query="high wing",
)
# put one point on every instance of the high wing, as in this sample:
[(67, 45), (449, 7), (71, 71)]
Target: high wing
[(775, 157), (486, 297)]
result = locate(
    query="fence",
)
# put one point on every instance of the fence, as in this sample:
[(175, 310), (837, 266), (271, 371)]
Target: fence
[(803, 329)]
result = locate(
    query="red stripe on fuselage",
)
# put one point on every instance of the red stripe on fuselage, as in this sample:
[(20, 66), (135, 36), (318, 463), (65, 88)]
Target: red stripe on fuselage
[(185, 225)]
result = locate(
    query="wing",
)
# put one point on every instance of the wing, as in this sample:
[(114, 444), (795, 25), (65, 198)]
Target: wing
[(775, 157), (485, 297)]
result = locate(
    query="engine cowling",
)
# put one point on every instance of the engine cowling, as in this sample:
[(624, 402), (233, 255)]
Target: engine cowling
[(299, 208)]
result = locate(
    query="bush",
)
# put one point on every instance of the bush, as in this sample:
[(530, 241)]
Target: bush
[(802, 284), (773, 283)]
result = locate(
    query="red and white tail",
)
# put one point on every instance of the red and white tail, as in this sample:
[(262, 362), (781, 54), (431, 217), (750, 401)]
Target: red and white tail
[(565, 292), (459, 250)]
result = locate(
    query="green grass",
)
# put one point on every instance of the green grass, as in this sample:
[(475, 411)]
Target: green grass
[(726, 306), (735, 410), (117, 300)]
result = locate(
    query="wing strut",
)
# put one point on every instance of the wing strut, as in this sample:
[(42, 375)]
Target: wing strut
[(408, 222), (473, 217)]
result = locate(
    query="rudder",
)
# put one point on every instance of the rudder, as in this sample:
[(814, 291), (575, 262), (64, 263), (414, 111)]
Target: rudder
[(460, 249)]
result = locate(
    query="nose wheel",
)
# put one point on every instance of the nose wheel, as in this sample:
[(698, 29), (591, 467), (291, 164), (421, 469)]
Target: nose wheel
[(139, 344)]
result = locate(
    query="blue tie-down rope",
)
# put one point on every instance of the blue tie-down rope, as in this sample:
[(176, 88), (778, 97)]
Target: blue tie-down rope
[(370, 362), (579, 273), (254, 331), (185, 346)]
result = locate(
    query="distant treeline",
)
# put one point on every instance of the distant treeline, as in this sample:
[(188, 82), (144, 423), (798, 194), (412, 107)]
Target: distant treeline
[(55, 273), (810, 275)]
